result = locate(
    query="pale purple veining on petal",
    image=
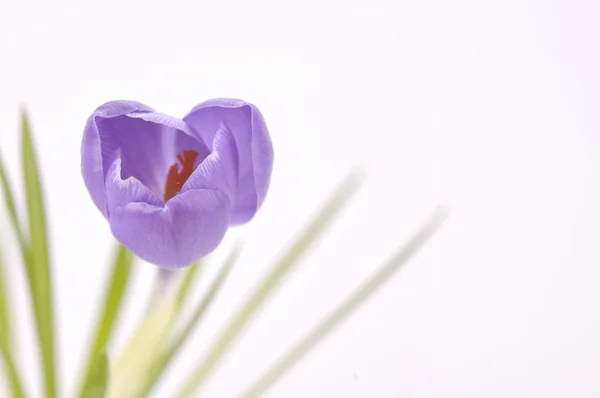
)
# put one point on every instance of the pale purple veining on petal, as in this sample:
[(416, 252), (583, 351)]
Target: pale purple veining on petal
[(148, 144), (92, 168), (120, 192), (220, 169), (147, 141), (187, 228), (255, 151)]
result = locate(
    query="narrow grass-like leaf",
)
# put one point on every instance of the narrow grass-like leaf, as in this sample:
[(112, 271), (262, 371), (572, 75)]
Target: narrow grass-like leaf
[(15, 382), (9, 202), (167, 355), (39, 262), (12, 374), (127, 375), (14, 378), (267, 286), (6, 338), (6, 333), (165, 284), (96, 384), (116, 288), (188, 281), (352, 303)]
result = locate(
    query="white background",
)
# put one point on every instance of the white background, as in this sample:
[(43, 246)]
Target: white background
[(490, 107)]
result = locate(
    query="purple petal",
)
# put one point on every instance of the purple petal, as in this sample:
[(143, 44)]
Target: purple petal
[(149, 144), (255, 151), (92, 167), (188, 227), (220, 169), (146, 141), (120, 192)]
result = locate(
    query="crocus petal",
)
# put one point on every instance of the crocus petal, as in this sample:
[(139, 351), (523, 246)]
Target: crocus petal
[(147, 141), (187, 228), (220, 169), (120, 192), (182, 142), (92, 167), (149, 144), (255, 151)]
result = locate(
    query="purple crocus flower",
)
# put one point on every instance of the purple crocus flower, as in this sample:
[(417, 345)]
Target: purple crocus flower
[(170, 188)]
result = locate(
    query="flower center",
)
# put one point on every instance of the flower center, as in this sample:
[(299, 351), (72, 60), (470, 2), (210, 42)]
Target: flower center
[(176, 178)]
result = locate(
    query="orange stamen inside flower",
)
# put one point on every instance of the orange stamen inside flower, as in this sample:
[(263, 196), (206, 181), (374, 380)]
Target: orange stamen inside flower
[(176, 178)]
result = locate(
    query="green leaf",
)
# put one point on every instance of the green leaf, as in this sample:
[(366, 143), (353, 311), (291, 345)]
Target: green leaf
[(127, 375), (96, 384), (12, 373), (14, 378), (350, 305), (188, 281), (167, 355), (14, 381), (39, 274), (9, 201), (5, 316), (116, 288), (267, 286)]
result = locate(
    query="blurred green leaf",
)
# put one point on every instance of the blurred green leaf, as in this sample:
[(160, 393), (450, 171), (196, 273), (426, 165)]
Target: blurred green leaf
[(127, 375), (188, 281), (97, 382), (116, 288), (9, 201), (6, 341), (272, 280), (14, 378), (39, 274), (14, 381), (352, 303), (167, 355), (5, 316)]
